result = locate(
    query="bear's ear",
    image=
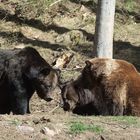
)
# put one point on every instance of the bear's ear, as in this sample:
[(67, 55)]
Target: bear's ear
[(45, 71), (88, 63)]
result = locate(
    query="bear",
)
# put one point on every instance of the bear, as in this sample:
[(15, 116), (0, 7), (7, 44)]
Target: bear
[(22, 72), (105, 87)]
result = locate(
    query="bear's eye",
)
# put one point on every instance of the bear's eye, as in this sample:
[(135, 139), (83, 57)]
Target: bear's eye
[(45, 71), (49, 86)]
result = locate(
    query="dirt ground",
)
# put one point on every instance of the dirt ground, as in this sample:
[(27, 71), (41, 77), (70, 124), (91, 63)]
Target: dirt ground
[(66, 27)]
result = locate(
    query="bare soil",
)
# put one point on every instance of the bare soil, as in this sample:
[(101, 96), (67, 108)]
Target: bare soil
[(66, 27)]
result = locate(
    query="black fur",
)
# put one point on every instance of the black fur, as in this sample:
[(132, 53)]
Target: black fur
[(22, 72)]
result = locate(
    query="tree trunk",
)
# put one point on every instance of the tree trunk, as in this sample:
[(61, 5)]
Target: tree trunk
[(104, 28)]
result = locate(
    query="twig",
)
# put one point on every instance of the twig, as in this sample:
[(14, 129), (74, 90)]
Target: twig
[(54, 109), (55, 2), (59, 105)]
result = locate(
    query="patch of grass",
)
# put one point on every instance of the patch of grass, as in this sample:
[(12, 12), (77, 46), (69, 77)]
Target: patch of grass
[(129, 120), (15, 122), (79, 127), (44, 139), (130, 5)]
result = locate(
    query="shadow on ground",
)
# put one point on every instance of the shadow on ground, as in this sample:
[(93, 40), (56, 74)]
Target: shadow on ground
[(127, 51), (20, 38), (136, 16), (121, 50), (37, 24), (30, 22)]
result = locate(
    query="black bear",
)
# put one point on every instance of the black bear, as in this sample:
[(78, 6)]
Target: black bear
[(22, 72), (105, 87)]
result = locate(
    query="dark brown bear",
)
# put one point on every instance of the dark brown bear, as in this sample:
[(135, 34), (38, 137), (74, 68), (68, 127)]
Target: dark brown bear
[(105, 87), (22, 72)]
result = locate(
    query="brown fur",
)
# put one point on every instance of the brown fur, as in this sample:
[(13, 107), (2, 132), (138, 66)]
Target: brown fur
[(106, 87)]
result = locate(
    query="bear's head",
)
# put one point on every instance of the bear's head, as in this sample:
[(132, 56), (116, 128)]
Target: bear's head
[(69, 96), (40, 74), (84, 92), (78, 99), (44, 82), (47, 81)]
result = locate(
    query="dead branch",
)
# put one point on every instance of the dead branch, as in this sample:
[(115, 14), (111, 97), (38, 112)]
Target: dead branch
[(55, 2), (73, 69), (54, 109)]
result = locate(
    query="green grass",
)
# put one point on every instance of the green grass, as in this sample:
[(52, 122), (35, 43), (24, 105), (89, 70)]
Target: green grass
[(16, 122), (79, 127), (130, 5), (44, 139), (128, 120)]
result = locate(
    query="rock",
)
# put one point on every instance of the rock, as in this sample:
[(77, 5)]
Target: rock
[(44, 119), (47, 131), (59, 39), (36, 121), (25, 129), (20, 46), (83, 8)]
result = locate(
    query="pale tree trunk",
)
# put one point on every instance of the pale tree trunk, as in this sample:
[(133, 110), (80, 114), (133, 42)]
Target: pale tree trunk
[(104, 28)]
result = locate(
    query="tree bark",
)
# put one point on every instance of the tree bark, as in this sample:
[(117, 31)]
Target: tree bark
[(104, 28)]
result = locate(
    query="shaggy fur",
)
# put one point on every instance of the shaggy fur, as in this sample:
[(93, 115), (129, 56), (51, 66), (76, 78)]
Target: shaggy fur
[(105, 87), (22, 72)]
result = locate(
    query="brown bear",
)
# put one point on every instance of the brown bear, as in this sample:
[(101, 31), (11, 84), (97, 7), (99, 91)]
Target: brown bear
[(105, 87), (22, 72)]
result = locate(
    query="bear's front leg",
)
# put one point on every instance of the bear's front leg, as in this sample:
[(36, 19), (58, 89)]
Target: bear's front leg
[(19, 98), (116, 108), (20, 106), (28, 108)]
